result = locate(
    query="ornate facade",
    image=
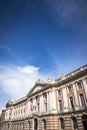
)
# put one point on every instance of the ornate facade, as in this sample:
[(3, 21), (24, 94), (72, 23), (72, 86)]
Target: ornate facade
[(56, 105)]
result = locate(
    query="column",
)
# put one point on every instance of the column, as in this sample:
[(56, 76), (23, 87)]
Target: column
[(48, 102)]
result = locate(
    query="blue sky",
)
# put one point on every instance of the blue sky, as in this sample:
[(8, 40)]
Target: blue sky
[(39, 39)]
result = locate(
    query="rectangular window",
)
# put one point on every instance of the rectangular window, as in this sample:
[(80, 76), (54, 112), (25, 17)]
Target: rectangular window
[(60, 105)]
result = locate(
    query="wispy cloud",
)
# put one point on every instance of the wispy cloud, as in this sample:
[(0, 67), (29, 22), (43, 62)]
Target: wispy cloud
[(68, 12), (4, 47)]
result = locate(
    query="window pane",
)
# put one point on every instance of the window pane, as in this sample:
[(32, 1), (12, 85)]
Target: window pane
[(82, 99), (59, 92), (74, 123), (38, 105), (60, 104), (62, 123), (72, 102), (44, 124), (79, 85), (35, 124), (45, 106), (70, 89)]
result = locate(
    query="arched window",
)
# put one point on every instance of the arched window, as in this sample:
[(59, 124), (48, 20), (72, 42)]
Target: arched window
[(82, 100), (8, 126), (22, 126), (72, 102), (74, 121), (84, 120), (79, 85), (44, 124), (29, 125), (62, 123), (60, 105), (59, 92), (35, 124), (70, 89)]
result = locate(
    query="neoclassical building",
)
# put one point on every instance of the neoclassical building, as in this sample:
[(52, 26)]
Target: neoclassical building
[(56, 105)]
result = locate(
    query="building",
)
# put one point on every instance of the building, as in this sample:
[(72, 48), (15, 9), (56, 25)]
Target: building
[(56, 105)]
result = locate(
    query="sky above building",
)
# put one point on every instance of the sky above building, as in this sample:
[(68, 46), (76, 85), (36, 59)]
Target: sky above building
[(39, 39)]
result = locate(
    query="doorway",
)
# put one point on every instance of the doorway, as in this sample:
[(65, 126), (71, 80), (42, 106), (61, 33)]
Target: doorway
[(84, 121)]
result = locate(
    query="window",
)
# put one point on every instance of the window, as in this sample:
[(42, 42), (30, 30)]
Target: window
[(38, 107), (82, 100), (60, 105), (45, 107), (22, 126), (72, 102), (44, 124), (35, 124), (74, 121), (59, 92), (28, 125), (8, 126), (45, 96), (70, 89), (79, 85), (62, 123), (38, 98)]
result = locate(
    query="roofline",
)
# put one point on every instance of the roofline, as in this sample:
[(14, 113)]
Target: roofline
[(61, 81)]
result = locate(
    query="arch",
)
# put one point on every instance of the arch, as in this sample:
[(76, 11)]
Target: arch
[(44, 124), (82, 99), (84, 121), (74, 122), (29, 125), (80, 84), (70, 88), (62, 123), (35, 124)]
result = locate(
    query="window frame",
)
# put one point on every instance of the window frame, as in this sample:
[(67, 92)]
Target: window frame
[(60, 105), (35, 124), (70, 89), (59, 92), (82, 100), (62, 124), (74, 123), (79, 86), (44, 124), (72, 102)]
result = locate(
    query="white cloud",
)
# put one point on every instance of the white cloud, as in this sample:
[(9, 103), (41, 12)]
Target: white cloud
[(17, 81), (28, 69)]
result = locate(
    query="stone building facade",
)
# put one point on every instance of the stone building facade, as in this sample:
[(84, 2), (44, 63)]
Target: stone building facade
[(56, 105)]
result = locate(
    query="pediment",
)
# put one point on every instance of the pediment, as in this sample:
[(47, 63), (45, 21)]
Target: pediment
[(38, 86)]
